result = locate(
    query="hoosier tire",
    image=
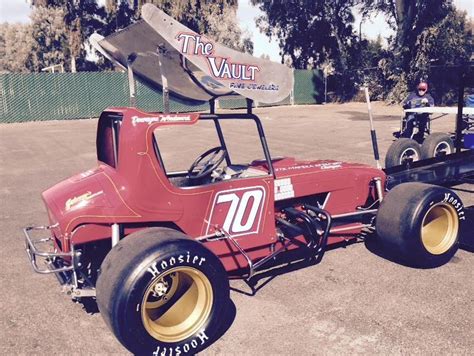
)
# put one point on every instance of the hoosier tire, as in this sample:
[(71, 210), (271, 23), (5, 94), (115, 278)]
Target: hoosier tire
[(402, 152), (160, 292), (437, 144), (419, 224)]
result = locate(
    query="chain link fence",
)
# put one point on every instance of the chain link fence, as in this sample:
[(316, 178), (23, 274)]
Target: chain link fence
[(62, 96)]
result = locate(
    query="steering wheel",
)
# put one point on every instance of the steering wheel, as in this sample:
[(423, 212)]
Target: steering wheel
[(204, 165)]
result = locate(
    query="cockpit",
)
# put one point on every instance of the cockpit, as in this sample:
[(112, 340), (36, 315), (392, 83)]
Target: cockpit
[(207, 151)]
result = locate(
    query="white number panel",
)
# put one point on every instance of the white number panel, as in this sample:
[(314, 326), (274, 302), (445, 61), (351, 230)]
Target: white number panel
[(237, 211)]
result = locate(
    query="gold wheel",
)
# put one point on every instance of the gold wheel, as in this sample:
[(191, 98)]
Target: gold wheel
[(177, 304), (440, 228)]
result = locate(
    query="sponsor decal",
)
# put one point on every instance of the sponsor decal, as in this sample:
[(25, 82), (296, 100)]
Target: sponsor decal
[(253, 86), (81, 200), (284, 189), (243, 75), (87, 173), (159, 267), (238, 211), (161, 118), (222, 68), (322, 166), (185, 348), (448, 198)]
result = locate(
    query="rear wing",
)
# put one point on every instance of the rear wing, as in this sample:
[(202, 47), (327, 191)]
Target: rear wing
[(166, 54)]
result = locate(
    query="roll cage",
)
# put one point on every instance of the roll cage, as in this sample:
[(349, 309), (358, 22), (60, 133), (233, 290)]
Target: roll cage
[(217, 119)]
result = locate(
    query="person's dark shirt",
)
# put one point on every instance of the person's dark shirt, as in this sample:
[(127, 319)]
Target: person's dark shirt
[(470, 101), (417, 101)]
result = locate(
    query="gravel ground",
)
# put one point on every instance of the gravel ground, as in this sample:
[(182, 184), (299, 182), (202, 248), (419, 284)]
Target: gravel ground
[(353, 302)]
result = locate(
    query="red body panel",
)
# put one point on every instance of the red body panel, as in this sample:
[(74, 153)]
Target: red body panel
[(138, 191)]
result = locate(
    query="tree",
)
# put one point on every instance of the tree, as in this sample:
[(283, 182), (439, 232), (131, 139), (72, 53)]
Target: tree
[(81, 18), (408, 17), (215, 18), (194, 14), (223, 28), (120, 14), (15, 46), (427, 31), (50, 45), (310, 32), (440, 48)]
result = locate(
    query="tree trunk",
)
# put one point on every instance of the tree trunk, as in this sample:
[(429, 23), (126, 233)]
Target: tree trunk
[(73, 64), (404, 19)]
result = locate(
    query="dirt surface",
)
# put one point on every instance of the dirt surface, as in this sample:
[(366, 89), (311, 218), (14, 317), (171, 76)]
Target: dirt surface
[(353, 302)]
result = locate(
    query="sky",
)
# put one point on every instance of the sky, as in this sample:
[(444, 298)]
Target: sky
[(18, 11)]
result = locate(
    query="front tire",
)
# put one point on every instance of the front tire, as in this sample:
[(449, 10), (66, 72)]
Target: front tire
[(161, 292), (403, 151), (420, 223)]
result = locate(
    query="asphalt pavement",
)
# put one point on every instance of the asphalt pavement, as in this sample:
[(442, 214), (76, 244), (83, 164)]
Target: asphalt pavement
[(353, 302)]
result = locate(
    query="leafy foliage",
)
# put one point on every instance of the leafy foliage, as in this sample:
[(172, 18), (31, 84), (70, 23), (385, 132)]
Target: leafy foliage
[(83, 17), (215, 18), (50, 45), (309, 32), (79, 20), (316, 34), (428, 33), (15, 46)]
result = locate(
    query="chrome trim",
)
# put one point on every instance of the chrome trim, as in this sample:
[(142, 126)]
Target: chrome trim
[(221, 234), (349, 228), (77, 293), (378, 187), (115, 234), (33, 251), (355, 213)]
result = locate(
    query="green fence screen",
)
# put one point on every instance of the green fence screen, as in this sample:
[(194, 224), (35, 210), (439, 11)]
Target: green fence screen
[(309, 86), (59, 96)]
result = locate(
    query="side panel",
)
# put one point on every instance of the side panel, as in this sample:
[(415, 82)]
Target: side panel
[(242, 208)]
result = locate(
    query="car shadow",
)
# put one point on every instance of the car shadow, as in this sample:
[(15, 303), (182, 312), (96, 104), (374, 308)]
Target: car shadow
[(89, 305), (227, 321), (284, 263), (466, 240), (373, 244)]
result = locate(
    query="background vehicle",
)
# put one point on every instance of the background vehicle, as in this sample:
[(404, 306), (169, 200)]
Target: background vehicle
[(405, 151)]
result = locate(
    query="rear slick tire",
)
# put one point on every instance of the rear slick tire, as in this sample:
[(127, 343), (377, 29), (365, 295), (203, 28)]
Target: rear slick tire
[(419, 224), (163, 293)]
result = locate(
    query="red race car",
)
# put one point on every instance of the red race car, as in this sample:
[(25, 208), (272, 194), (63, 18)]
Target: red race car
[(155, 243)]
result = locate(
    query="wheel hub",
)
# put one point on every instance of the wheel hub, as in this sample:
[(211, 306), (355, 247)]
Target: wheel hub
[(439, 228), (177, 304), (408, 156), (160, 289), (442, 149)]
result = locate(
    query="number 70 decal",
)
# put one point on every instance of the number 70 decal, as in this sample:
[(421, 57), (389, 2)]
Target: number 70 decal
[(238, 211)]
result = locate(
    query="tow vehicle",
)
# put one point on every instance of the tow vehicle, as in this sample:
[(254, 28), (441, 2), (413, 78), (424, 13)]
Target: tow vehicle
[(405, 151), (156, 246)]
